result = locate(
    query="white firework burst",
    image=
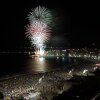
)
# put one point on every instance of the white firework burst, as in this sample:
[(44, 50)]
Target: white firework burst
[(40, 14)]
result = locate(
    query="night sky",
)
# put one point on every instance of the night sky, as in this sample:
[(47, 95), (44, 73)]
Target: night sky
[(75, 24)]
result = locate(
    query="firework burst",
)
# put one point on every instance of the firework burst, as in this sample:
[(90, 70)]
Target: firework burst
[(38, 30), (40, 14)]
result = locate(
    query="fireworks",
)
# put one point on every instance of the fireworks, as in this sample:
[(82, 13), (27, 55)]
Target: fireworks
[(38, 30), (40, 14), (38, 33)]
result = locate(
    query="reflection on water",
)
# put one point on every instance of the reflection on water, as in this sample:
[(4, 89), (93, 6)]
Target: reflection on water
[(14, 63), (41, 64)]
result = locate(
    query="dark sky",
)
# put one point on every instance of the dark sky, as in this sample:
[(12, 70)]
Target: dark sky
[(77, 24)]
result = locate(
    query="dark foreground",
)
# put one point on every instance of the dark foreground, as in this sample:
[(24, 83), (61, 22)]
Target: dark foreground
[(83, 88), (55, 85), (78, 81)]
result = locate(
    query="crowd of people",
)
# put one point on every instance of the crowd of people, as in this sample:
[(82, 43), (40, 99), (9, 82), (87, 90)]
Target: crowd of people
[(42, 83)]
